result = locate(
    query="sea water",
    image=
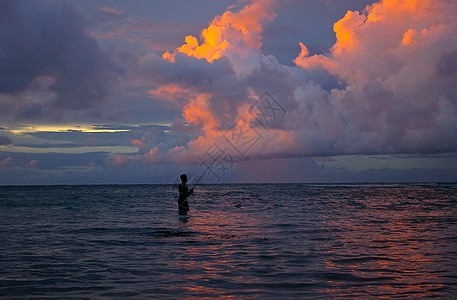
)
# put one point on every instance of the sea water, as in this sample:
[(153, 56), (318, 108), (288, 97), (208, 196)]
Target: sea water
[(259, 241)]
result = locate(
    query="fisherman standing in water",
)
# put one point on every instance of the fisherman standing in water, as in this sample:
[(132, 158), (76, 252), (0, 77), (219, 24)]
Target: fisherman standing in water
[(184, 192)]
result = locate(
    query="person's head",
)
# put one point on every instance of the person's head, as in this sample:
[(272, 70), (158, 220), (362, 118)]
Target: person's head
[(183, 178)]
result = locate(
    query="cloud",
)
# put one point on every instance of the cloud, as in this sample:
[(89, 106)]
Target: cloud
[(390, 58), (32, 163), (5, 140), (386, 86), (205, 80), (4, 163), (231, 33), (138, 143), (117, 161), (50, 162), (111, 10), (200, 87), (48, 61)]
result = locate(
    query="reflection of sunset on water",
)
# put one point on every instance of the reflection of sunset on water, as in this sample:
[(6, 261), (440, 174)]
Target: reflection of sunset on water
[(214, 253), (351, 241), (263, 241), (388, 242)]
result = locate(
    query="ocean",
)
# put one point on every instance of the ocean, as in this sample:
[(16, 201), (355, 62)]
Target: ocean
[(248, 241)]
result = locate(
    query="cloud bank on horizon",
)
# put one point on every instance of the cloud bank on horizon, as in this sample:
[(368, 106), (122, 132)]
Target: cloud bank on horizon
[(386, 87)]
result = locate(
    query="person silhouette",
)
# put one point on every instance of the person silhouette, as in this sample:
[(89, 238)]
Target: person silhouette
[(184, 193)]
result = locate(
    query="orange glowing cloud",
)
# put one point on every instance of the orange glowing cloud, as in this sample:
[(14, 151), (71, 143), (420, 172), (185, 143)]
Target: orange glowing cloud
[(391, 60), (388, 76), (138, 143), (232, 31), (346, 33), (169, 92), (388, 35), (234, 34), (198, 112)]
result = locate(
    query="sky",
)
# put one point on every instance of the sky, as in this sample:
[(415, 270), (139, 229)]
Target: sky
[(111, 92)]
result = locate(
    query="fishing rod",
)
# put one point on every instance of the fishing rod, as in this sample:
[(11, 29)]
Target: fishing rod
[(209, 166)]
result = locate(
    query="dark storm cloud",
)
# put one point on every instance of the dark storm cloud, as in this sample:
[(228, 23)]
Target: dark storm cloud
[(188, 71), (5, 140), (47, 41), (447, 64), (446, 69)]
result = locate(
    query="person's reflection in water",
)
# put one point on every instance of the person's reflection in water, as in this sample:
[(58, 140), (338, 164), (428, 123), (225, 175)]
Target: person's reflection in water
[(183, 217), (184, 193)]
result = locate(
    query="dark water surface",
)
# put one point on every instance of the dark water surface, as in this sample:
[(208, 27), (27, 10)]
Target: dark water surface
[(248, 241)]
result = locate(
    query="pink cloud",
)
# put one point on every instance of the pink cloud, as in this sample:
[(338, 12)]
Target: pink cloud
[(154, 156), (138, 143), (117, 161), (4, 163), (111, 10), (32, 164)]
